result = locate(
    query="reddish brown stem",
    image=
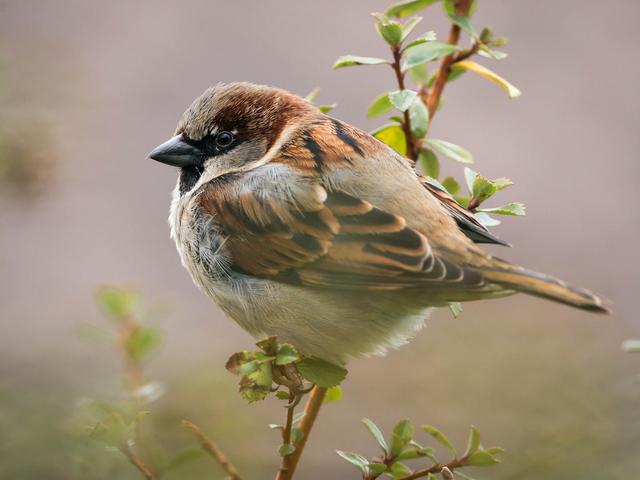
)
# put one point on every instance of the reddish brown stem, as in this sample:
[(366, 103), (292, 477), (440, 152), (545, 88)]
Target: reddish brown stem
[(285, 472), (209, 447), (146, 472), (406, 123), (311, 410)]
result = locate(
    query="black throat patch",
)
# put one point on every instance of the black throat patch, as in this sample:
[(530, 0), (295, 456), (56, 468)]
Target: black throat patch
[(189, 176)]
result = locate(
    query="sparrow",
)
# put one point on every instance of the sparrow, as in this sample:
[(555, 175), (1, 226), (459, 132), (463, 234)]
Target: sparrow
[(303, 227)]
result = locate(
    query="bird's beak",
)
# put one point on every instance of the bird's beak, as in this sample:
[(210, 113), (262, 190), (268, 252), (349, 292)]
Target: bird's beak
[(178, 153)]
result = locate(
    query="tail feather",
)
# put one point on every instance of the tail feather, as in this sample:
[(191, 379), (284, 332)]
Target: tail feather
[(539, 284)]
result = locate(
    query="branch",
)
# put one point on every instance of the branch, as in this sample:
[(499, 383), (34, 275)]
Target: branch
[(434, 469), (146, 472), (433, 98), (209, 447), (285, 472), (406, 123), (132, 369), (311, 410)]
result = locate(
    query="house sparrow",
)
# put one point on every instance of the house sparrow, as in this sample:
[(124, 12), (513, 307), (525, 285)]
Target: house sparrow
[(301, 226)]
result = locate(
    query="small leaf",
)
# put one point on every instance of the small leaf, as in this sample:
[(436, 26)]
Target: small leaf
[(413, 453), (403, 9), (392, 135), (312, 96), (486, 73), (436, 183), (402, 99), (469, 177), (419, 74), (333, 394), (473, 444), (275, 426), (352, 60), (377, 434), (282, 395), (389, 30), (321, 372), (451, 150), (514, 208), (631, 345), (402, 435), (451, 185), (379, 106), (286, 449), (464, 23), (456, 309), (408, 27), (236, 361), (486, 52), (399, 470), (481, 458), (487, 220), (286, 354), (142, 341), (327, 108), (428, 52), (118, 303), (430, 36), (440, 437), (296, 435), (263, 376), (356, 460), (429, 163), (268, 345), (482, 188), (419, 118), (446, 474), (377, 468)]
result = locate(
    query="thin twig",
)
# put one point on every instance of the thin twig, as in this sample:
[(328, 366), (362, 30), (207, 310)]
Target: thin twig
[(433, 98), (311, 410), (211, 448), (434, 469), (406, 123), (146, 472), (284, 473), (132, 368)]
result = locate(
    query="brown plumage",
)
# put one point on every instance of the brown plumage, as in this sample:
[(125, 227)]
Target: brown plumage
[(277, 198)]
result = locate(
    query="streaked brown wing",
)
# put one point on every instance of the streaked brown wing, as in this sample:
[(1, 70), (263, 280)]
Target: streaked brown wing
[(465, 219), (329, 239)]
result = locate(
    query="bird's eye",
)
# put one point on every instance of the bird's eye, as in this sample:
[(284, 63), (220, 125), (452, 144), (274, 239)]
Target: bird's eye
[(224, 139)]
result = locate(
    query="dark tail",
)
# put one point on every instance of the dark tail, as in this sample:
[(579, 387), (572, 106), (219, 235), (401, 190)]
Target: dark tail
[(534, 283)]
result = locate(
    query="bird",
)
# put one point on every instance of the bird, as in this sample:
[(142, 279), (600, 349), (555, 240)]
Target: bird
[(303, 227)]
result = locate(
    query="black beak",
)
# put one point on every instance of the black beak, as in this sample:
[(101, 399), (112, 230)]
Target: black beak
[(178, 153)]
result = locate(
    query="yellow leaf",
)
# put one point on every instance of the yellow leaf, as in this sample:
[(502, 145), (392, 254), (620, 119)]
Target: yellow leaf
[(486, 73)]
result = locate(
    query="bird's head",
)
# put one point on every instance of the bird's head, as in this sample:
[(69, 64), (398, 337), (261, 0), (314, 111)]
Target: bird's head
[(230, 128)]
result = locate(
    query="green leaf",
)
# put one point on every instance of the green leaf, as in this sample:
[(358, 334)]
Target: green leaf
[(268, 345), (419, 117), (356, 460), (402, 435), (142, 341), (118, 303), (473, 444), (263, 376), (327, 108), (321, 372), (377, 434), (296, 435), (282, 395), (451, 150), (451, 185), (481, 458), (469, 177), (482, 188), (403, 9), (436, 183), (392, 135), (474, 67), (352, 60), (513, 208), (286, 449), (417, 452), (408, 27), (456, 309), (487, 220), (631, 345), (429, 36), (486, 52), (113, 430), (377, 468), (464, 23), (286, 354), (379, 106), (389, 30), (419, 74), (402, 99), (440, 437), (333, 394), (399, 470), (428, 52), (312, 96), (429, 163)]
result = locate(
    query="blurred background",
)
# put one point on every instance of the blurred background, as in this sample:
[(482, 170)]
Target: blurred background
[(87, 89)]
